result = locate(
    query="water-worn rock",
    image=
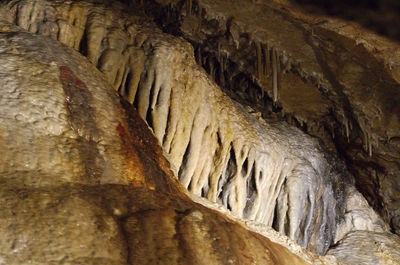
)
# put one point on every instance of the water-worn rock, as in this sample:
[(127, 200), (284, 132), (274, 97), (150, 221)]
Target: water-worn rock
[(262, 171), (330, 77), (83, 181), (216, 148), (364, 247)]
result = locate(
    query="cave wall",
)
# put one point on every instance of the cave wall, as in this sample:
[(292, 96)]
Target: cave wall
[(217, 148), (328, 76), (84, 181)]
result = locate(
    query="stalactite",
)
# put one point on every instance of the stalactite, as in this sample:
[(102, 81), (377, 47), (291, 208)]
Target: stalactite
[(222, 68), (278, 63), (198, 55), (189, 7), (234, 32), (266, 60), (168, 15), (219, 51), (136, 65), (370, 149), (274, 76), (212, 68), (367, 143), (214, 146), (199, 25), (259, 62), (346, 124)]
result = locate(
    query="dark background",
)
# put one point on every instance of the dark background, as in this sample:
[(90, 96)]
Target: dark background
[(381, 16)]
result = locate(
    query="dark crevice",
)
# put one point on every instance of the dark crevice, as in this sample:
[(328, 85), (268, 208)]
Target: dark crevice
[(378, 15), (157, 99), (251, 190), (307, 225), (148, 117), (205, 189), (245, 167), (275, 218), (184, 161), (124, 234), (169, 123), (128, 81), (136, 101), (83, 45), (219, 140), (224, 181)]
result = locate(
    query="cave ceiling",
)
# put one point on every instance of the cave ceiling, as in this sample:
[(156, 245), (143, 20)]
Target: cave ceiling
[(277, 115), (328, 76)]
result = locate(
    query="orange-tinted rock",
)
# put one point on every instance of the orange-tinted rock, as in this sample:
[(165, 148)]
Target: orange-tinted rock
[(83, 181)]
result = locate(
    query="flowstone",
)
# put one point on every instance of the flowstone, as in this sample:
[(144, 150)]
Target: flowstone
[(262, 171), (83, 180)]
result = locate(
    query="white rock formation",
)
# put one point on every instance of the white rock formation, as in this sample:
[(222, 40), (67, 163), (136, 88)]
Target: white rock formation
[(268, 172), (366, 247)]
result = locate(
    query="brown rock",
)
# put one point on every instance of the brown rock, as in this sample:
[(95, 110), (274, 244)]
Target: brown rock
[(83, 182)]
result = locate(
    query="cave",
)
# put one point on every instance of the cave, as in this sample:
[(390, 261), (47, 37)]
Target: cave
[(199, 132)]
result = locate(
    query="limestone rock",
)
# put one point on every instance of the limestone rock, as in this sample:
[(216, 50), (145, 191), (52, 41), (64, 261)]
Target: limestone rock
[(365, 247), (359, 216), (83, 181), (216, 148), (264, 171), (328, 76)]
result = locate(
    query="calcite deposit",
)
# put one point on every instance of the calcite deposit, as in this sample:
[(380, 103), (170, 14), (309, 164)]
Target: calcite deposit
[(75, 138), (85, 182), (330, 77), (215, 147)]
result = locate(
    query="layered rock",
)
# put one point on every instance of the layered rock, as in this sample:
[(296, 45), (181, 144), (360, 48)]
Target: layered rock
[(85, 182), (330, 77), (265, 171), (365, 247), (216, 148)]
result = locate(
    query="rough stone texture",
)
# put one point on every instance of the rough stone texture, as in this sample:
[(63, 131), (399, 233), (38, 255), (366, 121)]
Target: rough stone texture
[(267, 172), (257, 175), (363, 247), (358, 216), (379, 15), (83, 181), (330, 77), (217, 148)]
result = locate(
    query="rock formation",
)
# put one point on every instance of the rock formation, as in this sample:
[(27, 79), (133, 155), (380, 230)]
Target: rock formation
[(85, 182), (330, 77), (78, 145)]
